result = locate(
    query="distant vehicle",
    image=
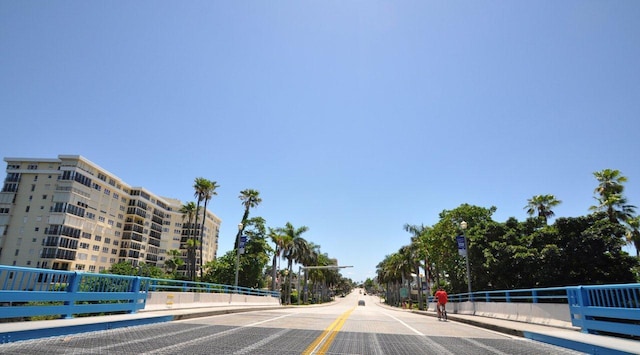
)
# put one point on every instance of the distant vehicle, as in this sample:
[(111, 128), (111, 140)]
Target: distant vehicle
[(361, 303)]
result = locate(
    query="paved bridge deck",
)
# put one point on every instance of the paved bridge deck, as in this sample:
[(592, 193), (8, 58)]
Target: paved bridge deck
[(566, 337)]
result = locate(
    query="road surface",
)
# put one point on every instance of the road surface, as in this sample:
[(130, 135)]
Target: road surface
[(343, 327)]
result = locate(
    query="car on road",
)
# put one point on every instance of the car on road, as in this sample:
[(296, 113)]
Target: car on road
[(361, 303)]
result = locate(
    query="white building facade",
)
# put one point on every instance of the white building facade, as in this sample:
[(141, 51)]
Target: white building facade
[(68, 213)]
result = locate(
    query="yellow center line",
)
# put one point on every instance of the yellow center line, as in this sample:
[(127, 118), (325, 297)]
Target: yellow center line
[(328, 335)]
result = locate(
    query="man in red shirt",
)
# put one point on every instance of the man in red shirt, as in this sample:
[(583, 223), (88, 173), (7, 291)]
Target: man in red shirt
[(442, 297)]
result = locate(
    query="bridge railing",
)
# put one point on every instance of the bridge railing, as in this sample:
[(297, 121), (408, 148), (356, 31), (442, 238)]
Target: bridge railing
[(533, 295), (598, 309), (31, 292), (203, 287), (28, 292), (606, 309)]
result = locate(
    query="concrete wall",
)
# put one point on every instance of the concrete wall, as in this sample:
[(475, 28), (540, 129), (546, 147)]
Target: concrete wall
[(177, 300), (538, 313)]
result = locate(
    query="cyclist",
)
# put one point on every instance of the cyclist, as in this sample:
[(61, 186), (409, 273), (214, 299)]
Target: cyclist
[(442, 298)]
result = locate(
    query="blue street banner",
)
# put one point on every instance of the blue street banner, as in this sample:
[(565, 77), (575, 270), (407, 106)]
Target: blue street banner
[(243, 241), (462, 246)]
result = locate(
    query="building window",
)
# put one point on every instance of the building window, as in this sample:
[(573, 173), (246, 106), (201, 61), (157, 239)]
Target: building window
[(107, 240), (33, 188), (92, 268), (27, 209), (105, 250), (96, 248), (44, 197), (98, 238)]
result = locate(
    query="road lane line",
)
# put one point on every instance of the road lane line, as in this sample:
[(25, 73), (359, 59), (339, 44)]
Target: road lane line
[(177, 346), (256, 346), (432, 344), (328, 335)]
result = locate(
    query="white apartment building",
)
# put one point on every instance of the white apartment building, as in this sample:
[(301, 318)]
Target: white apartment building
[(70, 214)]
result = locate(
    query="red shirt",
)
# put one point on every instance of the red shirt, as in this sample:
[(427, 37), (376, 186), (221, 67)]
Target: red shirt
[(442, 297)]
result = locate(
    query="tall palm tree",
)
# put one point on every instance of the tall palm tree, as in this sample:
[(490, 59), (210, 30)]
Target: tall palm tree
[(420, 245), (609, 196), (250, 198), (295, 249), (204, 191), (542, 205), (189, 211), (280, 240)]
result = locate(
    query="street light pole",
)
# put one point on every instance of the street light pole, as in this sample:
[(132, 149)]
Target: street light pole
[(235, 284), (463, 226)]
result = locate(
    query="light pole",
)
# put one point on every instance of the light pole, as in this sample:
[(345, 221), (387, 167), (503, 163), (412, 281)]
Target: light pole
[(235, 284), (463, 226)]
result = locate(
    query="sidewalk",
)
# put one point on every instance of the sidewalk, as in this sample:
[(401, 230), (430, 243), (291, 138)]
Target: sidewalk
[(570, 338)]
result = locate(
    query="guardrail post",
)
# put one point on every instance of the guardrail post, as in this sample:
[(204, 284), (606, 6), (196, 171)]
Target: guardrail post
[(73, 285), (534, 296)]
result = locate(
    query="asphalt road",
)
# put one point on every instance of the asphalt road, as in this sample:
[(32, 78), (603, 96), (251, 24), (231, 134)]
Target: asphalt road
[(340, 328)]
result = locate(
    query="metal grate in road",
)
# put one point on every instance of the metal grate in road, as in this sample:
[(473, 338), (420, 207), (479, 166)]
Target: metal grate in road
[(183, 339)]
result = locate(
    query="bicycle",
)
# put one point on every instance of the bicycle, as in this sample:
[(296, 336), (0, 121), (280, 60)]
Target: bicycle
[(442, 312)]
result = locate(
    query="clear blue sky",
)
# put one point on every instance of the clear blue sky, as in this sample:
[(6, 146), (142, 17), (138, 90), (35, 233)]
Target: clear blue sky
[(350, 117)]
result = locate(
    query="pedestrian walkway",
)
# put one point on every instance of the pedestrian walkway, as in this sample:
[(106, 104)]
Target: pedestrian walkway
[(570, 338)]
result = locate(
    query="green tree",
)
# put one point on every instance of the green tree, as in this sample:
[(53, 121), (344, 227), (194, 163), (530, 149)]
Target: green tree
[(542, 206), (204, 191), (633, 234), (189, 211), (609, 194), (279, 240), (294, 251), (250, 199), (173, 261)]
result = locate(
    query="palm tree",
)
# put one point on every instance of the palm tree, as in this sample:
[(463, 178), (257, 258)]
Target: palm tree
[(609, 196), (542, 204), (294, 250), (280, 240), (204, 191), (250, 198), (420, 246), (389, 274), (189, 211), (173, 262)]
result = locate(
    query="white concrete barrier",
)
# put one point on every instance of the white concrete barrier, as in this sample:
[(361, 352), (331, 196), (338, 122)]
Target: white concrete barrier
[(177, 300), (552, 314)]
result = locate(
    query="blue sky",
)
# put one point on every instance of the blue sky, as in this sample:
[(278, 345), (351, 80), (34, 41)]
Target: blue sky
[(350, 117)]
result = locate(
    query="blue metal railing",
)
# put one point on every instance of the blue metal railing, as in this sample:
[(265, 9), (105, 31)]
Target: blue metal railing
[(602, 309), (190, 286), (608, 308), (29, 292), (533, 295)]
